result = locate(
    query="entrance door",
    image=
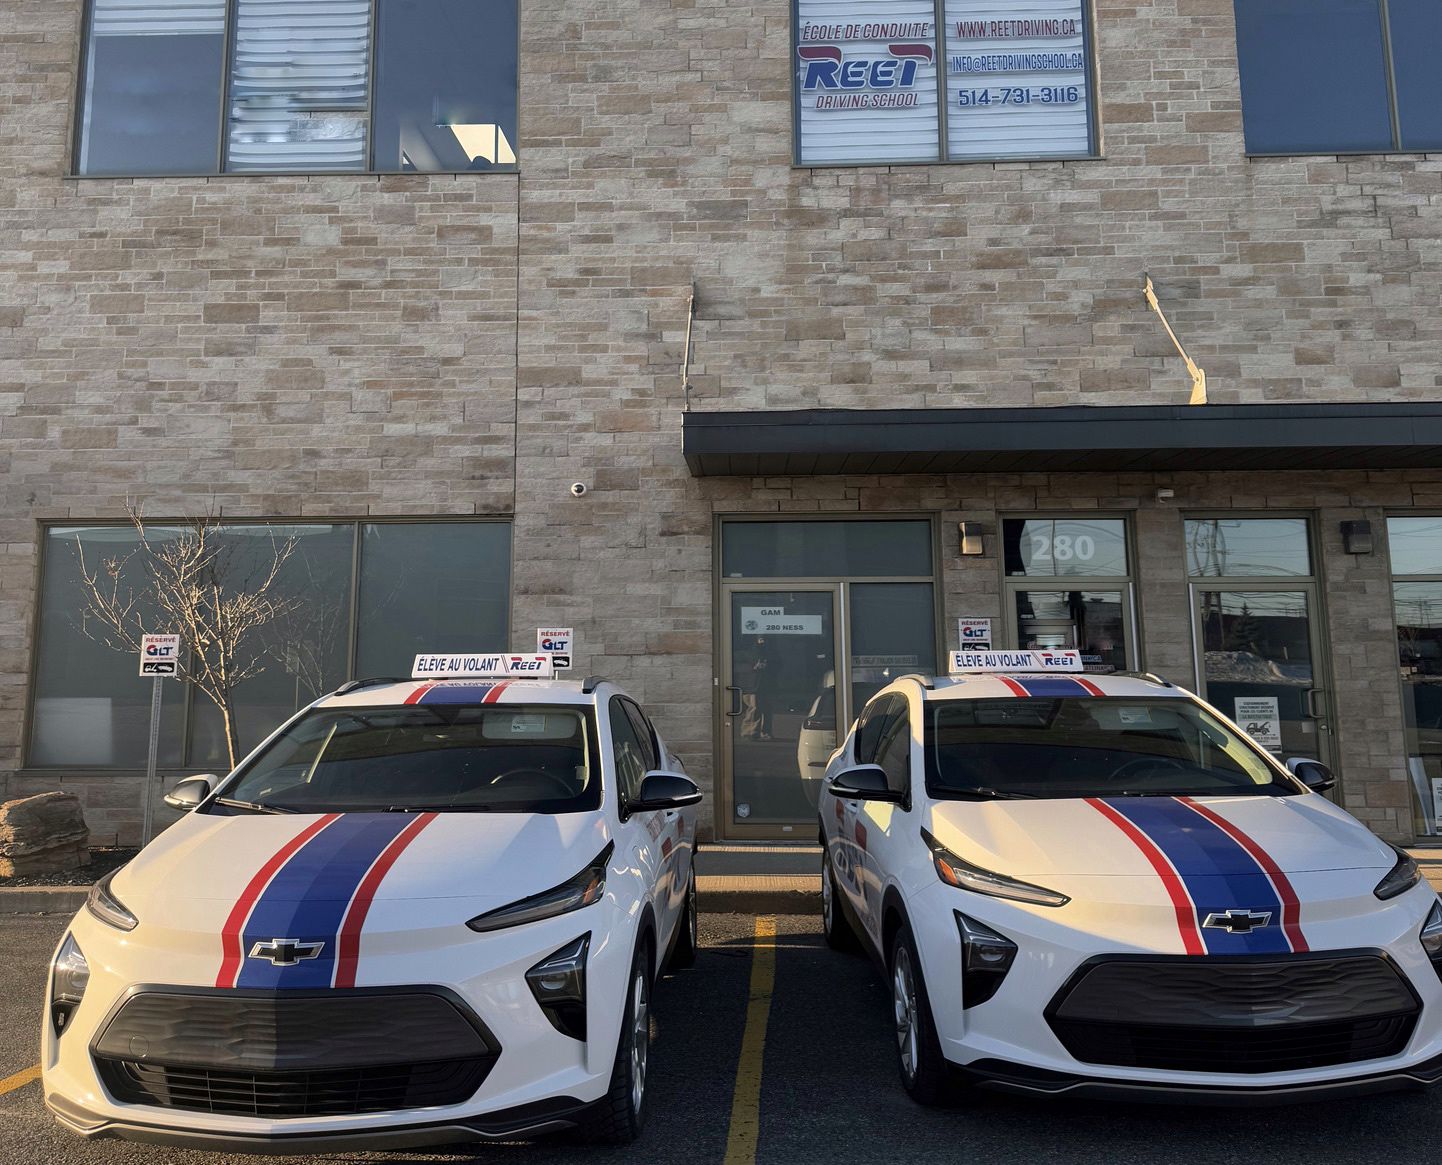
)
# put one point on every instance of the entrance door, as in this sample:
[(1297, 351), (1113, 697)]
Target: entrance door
[(1260, 660), (781, 707)]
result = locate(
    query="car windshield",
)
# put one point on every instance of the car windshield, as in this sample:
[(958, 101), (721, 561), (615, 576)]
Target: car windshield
[(511, 758), (1090, 747)]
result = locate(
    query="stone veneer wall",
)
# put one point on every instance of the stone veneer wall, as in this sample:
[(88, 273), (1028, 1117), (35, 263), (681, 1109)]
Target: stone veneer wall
[(352, 346)]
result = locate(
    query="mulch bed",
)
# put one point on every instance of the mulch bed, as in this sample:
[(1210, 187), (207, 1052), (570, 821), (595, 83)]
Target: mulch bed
[(102, 861)]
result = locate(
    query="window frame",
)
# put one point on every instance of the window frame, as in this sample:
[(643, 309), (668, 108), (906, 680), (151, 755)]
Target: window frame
[(188, 693), (82, 78), (1411, 735), (1094, 129)]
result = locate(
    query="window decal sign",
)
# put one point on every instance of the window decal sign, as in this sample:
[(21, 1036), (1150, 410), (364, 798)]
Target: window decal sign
[(866, 80), (1017, 82)]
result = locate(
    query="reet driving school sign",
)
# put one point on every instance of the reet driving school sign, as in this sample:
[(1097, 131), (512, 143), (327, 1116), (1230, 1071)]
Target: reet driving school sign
[(1017, 80), (159, 655)]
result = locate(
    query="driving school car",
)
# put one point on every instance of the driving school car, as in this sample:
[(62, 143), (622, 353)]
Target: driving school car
[(421, 912), (1098, 885)]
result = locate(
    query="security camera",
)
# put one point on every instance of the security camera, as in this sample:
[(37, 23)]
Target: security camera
[(578, 489)]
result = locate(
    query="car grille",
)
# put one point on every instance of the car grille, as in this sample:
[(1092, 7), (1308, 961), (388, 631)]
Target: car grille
[(293, 1054), (1248, 1015)]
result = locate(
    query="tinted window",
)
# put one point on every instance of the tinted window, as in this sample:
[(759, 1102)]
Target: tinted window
[(630, 755), (645, 735), (445, 85), (1065, 547), (151, 97), (1247, 547), (826, 549), (1314, 77), (1416, 39), (894, 752), (869, 729), (445, 756)]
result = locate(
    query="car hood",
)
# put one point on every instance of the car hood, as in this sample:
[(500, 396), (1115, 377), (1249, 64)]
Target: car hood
[(1119, 835), (213, 862)]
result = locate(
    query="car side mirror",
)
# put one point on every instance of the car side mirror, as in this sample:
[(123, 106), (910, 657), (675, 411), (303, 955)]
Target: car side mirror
[(663, 790), (1312, 773), (864, 783), (189, 793)]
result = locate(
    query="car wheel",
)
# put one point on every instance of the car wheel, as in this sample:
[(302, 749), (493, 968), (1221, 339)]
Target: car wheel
[(839, 935), (616, 1119), (688, 942), (924, 1071)]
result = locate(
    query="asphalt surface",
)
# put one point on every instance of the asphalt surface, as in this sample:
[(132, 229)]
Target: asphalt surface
[(828, 1085)]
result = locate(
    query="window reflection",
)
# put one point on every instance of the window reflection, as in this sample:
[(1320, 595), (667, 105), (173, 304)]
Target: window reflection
[(1247, 547)]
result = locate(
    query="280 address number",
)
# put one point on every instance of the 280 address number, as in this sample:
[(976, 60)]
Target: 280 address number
[(1011, 95)]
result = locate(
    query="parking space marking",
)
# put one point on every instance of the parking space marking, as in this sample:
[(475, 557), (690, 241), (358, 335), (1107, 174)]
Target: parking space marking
[(19, 1080), (746, 1097)]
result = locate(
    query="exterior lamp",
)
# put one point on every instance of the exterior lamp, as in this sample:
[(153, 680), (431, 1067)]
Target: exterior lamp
[(1357, 537), (970, 540)]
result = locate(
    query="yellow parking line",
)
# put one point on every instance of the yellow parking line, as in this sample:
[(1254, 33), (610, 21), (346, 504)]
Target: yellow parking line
[(746, 1099), (19, 1080)]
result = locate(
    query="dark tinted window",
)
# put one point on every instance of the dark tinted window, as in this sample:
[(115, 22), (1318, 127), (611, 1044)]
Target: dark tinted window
[(645, 735), (630, 756), (1314, 76), (894, 752), (869, 729), (445, 86), (826, 549), (1416, 40)]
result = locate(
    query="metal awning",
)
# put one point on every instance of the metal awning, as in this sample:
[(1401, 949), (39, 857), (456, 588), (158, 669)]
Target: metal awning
[(1139, 438)]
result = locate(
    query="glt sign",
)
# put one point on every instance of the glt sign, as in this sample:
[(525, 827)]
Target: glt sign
[(159, 655), (559, 642)]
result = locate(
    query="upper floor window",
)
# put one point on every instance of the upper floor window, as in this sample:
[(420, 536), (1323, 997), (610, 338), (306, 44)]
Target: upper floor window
[(297, 86), (877, 81), (1340, 76)]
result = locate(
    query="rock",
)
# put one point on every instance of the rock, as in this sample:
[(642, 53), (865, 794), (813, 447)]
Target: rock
[(44, 834)]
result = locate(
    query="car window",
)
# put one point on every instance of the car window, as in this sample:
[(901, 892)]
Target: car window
[(868, 730), (630, 756), (531, 758), (894, 751), (1090, 747), (645, 735)]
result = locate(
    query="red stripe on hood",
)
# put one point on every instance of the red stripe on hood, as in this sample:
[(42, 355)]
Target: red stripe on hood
[(348, 941), (1181, 901)]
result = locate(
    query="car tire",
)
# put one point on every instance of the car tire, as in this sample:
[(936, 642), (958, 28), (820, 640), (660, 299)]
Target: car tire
[(617, 1118), (683, 951), (834, 923), (925, 1073)]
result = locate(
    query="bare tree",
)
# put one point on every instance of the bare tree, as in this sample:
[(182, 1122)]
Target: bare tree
[(192, 582)]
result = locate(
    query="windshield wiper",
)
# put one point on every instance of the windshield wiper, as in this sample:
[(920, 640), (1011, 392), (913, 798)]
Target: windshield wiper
[(440, 809), (996, 794), (253, 806)]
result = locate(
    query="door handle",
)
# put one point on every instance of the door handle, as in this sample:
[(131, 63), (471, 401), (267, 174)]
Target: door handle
[(735, 708), (1314, 708)]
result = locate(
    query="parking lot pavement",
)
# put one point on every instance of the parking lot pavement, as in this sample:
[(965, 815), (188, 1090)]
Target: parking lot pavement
[(826, 1089)]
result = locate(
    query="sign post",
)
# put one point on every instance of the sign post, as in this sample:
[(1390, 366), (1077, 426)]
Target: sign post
[(159, 657)]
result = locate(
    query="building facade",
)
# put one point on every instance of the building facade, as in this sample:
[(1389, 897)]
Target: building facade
[(701, 264)]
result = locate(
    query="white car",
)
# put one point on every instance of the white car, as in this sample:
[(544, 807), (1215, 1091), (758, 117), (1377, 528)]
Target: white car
[(421, 912), (1099, 886)]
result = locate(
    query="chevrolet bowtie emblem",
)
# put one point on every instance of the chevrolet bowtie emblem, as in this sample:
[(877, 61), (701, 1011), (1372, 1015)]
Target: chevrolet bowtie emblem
[(286, 952), (1239, 921)]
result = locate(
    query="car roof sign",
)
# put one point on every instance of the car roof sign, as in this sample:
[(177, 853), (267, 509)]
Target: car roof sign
[(1043, 660), (512, 667)]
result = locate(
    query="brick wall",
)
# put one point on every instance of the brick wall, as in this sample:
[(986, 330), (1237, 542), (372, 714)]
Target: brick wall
[(471, 345)]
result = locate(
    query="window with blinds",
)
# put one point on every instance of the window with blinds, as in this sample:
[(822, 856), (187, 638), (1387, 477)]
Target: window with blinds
[(298, 86)]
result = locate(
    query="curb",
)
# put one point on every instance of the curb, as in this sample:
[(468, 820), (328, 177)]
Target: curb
[(42, 899), (765, 894)]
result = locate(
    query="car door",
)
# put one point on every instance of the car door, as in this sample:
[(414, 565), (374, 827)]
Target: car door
[(847, 840), (641, 830)]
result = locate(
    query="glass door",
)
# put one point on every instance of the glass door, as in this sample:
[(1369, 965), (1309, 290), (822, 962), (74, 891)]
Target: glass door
[(781, 709), (1260, 661)]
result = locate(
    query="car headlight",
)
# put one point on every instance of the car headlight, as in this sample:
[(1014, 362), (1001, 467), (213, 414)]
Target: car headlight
[(1401, 878), (69, 976), (1431, 936), (582, 890), (955, 871), (107, 907)]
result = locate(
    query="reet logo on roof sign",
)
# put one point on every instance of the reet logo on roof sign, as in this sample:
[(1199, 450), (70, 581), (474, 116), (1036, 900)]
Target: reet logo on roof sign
[(1014, 661), (490, 667)]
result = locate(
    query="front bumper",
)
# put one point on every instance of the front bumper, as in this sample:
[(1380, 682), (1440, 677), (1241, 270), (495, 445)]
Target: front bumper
[(1016, 1040), (526, 1077)]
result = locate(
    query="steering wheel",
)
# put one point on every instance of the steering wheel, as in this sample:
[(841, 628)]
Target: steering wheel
[(1145, 763), (526, 774)]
